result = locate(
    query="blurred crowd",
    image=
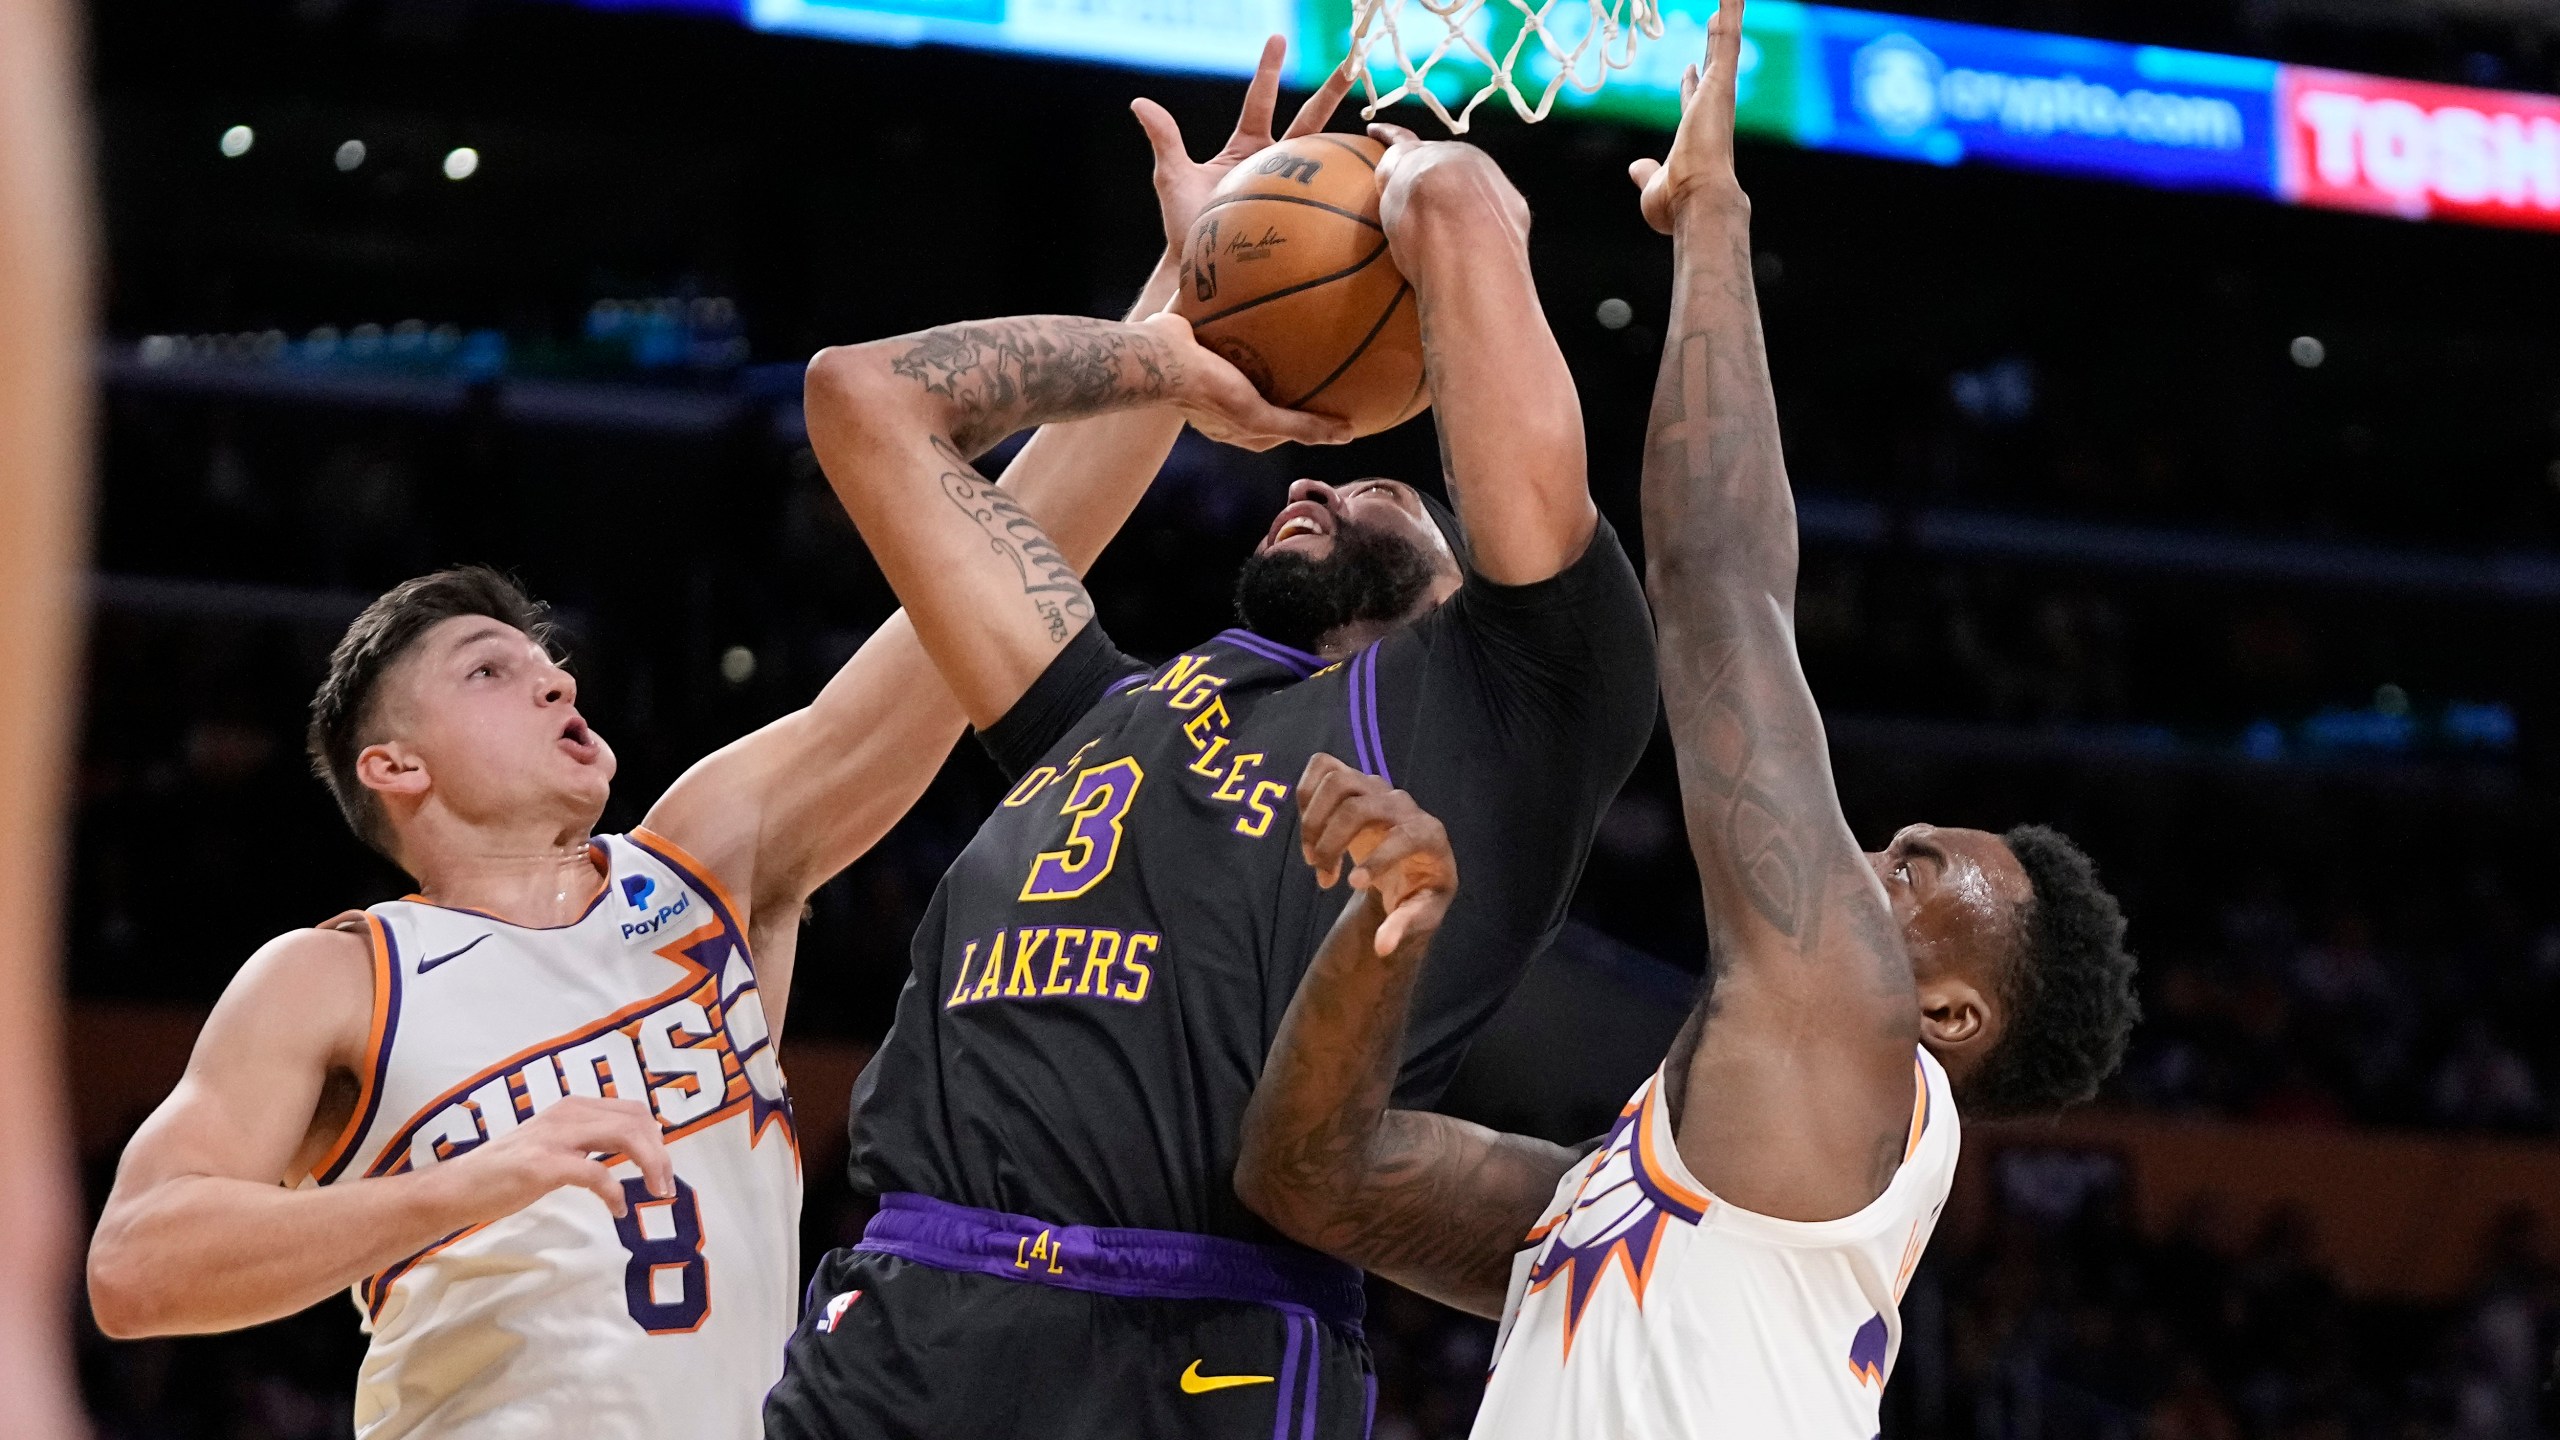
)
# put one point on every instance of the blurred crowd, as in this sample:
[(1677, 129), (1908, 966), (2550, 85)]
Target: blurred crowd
[(2378, 1009)]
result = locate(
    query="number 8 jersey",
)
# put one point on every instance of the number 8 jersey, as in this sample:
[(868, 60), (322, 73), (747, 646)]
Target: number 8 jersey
[(561, 1319)]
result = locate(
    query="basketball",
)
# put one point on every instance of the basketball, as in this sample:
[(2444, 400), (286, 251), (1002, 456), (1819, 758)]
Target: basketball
[(1286, 274)]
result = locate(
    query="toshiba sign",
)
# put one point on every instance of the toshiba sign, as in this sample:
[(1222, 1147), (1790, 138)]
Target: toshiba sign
[(2360, 142)]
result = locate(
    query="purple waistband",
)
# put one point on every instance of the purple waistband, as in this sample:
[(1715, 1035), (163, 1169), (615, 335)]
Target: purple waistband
[(1158, 1264)]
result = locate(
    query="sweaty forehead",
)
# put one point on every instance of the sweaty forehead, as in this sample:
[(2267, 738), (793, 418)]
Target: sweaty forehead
[(1991, 857)]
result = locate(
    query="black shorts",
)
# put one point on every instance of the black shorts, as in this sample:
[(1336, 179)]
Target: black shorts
[(922, 1353)]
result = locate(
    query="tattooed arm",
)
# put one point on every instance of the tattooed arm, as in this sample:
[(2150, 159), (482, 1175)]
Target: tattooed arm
[(1437, 1205), (1509, 421), (895, 423), (1797, 1093), (777, 812)]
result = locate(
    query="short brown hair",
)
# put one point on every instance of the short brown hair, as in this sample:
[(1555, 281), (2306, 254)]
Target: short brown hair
[(342, 711)]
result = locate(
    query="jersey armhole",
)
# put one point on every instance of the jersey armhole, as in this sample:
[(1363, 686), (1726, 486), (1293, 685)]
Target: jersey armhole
[(377, 1058), (1930, 1115)]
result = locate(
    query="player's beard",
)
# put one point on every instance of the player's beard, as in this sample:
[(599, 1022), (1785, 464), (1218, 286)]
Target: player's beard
[(1371, 573)]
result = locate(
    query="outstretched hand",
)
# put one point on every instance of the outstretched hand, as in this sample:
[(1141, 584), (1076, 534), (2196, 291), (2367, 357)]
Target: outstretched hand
[(1701, 157), (1183, 184), (1394, 847), (1222, 404)]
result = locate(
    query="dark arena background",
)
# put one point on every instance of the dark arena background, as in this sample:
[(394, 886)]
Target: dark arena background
[(2223, 533)]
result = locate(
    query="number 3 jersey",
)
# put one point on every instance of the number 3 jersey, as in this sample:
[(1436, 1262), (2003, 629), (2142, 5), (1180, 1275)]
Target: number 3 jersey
[(1645, 1308), (561, 1320), (1100, 973)]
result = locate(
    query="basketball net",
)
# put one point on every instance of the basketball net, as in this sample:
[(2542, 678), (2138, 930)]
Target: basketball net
[(1608, 30)]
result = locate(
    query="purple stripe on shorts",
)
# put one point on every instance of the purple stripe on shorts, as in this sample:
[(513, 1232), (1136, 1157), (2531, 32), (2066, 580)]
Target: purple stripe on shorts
[(1288, 1394), (1315, 1371), (1158, 1264)]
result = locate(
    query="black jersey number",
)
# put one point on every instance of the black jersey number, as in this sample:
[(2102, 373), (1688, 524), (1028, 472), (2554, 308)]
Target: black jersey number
[(1098, 802)]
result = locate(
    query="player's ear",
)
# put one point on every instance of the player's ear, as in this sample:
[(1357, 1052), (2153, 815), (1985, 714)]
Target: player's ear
[(1954, 1013), (388, 767)]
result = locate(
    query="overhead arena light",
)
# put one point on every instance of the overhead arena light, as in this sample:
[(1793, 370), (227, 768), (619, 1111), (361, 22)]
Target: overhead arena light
[(461, 163), (350, 155), (237, 140)]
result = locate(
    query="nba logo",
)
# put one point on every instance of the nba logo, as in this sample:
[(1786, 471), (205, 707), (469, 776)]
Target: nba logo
[(835, 1311)]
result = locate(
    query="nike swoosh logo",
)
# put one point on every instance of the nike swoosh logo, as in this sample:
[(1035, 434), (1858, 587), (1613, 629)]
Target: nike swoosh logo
[(1195, 1383), (433, 961)]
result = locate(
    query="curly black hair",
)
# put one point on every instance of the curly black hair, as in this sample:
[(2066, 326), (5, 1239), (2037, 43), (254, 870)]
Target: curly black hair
[(2068, 987)]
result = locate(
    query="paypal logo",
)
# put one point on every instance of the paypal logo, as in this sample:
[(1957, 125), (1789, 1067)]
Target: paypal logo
[(636, 890), (656, 920)]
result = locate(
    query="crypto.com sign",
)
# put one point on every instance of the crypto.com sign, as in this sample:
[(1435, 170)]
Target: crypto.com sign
[(2361, 142)]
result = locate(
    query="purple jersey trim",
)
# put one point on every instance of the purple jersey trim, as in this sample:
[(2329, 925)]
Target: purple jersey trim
[(381, 1057), (1369, 745), (1297, 660), (1159, 1264)]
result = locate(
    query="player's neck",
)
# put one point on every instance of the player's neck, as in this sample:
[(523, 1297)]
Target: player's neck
[(1343, 642), (531, 878)]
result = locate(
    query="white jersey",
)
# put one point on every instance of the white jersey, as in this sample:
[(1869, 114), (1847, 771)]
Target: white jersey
[(559, 1320), (1647, 1309)]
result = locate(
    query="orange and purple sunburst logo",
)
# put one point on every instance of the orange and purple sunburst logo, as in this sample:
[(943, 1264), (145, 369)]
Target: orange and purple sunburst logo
[(1617, 1220)]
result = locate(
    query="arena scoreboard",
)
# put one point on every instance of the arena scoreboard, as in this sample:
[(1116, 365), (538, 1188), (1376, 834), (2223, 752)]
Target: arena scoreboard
[(1829, 78)]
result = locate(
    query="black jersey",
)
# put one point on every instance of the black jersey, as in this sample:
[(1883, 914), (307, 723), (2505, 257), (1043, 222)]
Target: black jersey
[(1102, 971)]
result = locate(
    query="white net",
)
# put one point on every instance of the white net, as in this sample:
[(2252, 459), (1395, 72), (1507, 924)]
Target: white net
[(1570, 42)]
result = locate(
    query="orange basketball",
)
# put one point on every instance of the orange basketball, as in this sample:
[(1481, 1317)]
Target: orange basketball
[(1286, 274)]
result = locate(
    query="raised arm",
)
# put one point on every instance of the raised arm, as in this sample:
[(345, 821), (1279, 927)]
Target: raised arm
[(778, 812), (1509, 419), (1798, 1094), (1435, 1204), (896, 421), (205, 1231)]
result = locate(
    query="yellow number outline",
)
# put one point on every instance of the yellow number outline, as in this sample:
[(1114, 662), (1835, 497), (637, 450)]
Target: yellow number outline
[(1078, 850)]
